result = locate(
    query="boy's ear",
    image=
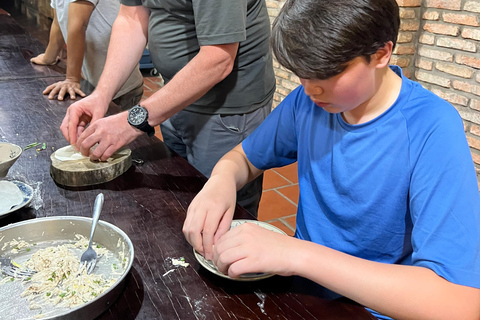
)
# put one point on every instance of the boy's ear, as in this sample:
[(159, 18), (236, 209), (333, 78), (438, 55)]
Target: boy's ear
[(382, 57)]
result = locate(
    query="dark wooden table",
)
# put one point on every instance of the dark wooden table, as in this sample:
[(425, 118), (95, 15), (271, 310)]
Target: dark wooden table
[(148, 202)]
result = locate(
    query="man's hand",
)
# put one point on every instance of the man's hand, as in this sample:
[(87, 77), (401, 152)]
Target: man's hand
[(43, 60), (111, 133), (63, 87), (80, 114), (210, 214), (250, 248)]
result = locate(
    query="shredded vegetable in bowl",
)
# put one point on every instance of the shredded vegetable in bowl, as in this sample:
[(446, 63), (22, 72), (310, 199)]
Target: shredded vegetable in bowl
[(59, 282)]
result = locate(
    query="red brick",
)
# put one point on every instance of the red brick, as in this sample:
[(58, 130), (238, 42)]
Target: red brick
[(471, 33), (431, 15), (455, 70), (463, 86), (475, 104), (474, 129), (404, 49), (424, 64), (457, 44), (457, 18), (289, 84), (474, 143), (409, 25), (407, 13), (466, 87), (400, 61), (409, 3), (404, 37), (434, 79), (441, 28), (451, 97), (468, 61), (427, 39), (407, 72), (472, 6), (444, 4), (426, 52)]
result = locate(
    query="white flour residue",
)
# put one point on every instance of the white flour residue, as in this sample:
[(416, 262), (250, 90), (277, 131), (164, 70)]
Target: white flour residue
[(171, 270), (198, 304), (37, 201), (261, 304), (176, 263)]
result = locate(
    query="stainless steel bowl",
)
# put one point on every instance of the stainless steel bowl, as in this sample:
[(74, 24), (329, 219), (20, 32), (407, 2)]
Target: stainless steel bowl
[(61, 229)]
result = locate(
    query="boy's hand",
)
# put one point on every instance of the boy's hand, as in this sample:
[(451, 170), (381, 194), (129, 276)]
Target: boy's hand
[(80, 114), (210, 214), (62, 88), (250, 248), (42, 60)]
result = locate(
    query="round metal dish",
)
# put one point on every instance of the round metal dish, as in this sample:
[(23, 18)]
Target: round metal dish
[(62, 229)]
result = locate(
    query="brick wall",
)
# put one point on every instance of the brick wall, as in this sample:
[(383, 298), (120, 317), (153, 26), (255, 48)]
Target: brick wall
[(438, 45)]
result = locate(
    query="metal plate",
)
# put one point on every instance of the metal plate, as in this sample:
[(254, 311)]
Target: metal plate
[(210, 266), (58, 230)]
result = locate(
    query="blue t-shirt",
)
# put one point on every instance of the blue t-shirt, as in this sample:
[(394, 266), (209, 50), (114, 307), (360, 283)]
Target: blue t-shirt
[(398, 189)]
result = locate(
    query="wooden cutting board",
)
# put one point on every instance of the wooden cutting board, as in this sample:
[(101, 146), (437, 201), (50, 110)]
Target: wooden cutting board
[(84, 172)]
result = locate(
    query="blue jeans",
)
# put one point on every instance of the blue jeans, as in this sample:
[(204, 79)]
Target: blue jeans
[(203, 139)]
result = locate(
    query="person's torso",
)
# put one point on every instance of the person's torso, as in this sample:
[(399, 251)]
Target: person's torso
[(177, 29)]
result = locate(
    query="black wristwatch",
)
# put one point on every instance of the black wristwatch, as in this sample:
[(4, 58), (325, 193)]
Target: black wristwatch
[(138, 118)]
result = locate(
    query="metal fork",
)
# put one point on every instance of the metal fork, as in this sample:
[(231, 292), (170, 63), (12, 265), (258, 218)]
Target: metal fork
[(89, 257), (12, 270)]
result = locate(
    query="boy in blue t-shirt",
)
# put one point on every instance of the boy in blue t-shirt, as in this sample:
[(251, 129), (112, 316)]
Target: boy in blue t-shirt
[(389, 207)]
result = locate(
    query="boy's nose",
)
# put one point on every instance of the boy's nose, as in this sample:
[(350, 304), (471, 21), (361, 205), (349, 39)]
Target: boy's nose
[(311, 88)]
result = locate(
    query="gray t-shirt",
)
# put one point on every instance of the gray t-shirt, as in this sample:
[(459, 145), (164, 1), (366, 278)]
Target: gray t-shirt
[(178, 28), (97, 37)]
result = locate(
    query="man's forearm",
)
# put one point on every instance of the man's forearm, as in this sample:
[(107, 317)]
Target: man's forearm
[(210, 66), (127, 43)]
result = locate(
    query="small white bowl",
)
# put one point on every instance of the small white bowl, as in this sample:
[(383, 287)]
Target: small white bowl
[(9, 153)]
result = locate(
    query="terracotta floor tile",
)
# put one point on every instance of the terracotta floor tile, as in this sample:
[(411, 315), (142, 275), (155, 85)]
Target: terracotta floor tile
[(292, 221), (147, 92), (280, 225), (289, 172), (273, 206), (272, 180), (291, 192), (158, 133), (151, 83)]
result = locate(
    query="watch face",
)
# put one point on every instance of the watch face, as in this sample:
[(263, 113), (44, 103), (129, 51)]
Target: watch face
[(137, 115)]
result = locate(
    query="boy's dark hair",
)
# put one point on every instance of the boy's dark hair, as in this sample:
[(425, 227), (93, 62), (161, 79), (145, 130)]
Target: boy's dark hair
[(316, 39)]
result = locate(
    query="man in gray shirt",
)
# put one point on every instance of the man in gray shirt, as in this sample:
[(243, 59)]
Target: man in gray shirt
[(214, 56)]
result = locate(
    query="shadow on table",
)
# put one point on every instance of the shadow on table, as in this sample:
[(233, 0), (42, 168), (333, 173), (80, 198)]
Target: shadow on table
[(129, 302), (320, 300)]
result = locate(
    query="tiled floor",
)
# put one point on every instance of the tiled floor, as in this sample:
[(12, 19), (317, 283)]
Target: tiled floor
[(280, 186)]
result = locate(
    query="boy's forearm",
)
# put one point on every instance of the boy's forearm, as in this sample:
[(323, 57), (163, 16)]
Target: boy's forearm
[(127, 43), (401, 292), (235, 164)]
